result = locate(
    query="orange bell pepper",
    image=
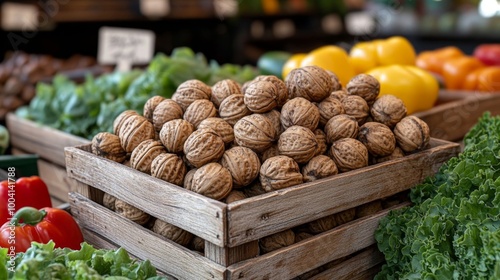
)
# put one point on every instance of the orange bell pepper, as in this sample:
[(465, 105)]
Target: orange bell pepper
[(455, 70), (433, 61), (483, 79)]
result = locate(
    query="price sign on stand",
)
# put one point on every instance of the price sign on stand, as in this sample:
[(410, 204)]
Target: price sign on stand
[(125, 47)]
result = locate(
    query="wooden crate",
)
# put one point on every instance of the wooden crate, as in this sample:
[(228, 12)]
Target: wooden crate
[(231, 231)]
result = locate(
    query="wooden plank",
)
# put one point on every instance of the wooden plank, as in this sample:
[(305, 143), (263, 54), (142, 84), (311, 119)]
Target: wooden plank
[(256, 217), (35, 138), (227, 256), (190, 211), (299, 258), (97, 241), (165, 255)]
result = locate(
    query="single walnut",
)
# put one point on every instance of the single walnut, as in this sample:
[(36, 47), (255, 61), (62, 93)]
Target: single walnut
[(261, 96), (142, 156), (174, 134), (198, 244), (356, 107), (321, 139), (299, 143), (108, 201), (279, 172), (203, 146), (310, 82), (389, 110), (254, 189), (120, 120), (233, 108), (212, 180), (345, 216), (329, 108), (172, 232), (150, 106), (302, 236), (337, 85), (221, 127), (271, 152), (339, 94), (223, 89), (255, 132), (130, 212), (274, 117), (235, 196), (282, 91), (412, 134), (166, 111), (378, 139), (188, 179), (191, 90), (276, 241), (108, 146), (243, 164), (169, 167), (365, 86), (369, 208), (319, 167), (135, 130), (322, 224), (299, 111), (349, 154), (199, 110), (341, 126), (397, 153)]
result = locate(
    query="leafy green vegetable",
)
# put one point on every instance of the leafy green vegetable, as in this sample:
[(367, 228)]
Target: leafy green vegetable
[(43, 261), (453, 229)]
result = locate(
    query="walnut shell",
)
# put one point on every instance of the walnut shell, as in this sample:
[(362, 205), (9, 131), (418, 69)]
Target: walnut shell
[(302, 236), (365, 86), (174, 134), (108, 146), (378, 139), (279, 172), (274, 116), (300, 111), (310, 82), (261, 96), (120, 120), (345, 216), (321, 139), (212, 180), (108, 201), (412, 134), (233, 108), (341, 126), (389, 110), (271, 152), (198, 244), (191, 90), (254, 189), (319, 167), (356, 107), (397, 153), (243, 164), (170, 168), (199, 110), (255, 132), (223, 89), (130, 212), (235, 196), (166, 111), (221, 127), (349, 154), (203, 146), (299, 143), (368, 208), (142, 156), (151, 105), (329, 108), (172, 232), (282, 92), (276, 241), (135, 130), (339, 94), (188, 179), (322, 224)]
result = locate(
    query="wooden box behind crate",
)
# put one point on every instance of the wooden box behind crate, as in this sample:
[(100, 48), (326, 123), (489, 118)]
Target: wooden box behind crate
[(232, 230)]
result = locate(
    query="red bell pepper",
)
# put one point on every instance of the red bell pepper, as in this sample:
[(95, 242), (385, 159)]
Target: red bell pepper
[(489, 54), (30, 224), (25, 191)]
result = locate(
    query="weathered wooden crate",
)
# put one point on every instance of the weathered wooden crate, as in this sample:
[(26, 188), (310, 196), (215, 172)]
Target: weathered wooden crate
[(231, 231)]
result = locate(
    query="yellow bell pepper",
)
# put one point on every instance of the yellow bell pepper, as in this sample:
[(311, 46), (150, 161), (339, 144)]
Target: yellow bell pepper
[(416, 87), (332, 58), (292, 63)]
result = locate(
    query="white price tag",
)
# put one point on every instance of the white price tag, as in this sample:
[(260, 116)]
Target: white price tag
[(155, 8), (17, 16), (225, 8), (125, 47)]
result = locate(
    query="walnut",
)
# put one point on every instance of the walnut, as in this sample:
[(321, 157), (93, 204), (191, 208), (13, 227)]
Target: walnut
[(397, 153), (261, 96), (321, 139), (299, 143), (282, 92), (174, 134), (150, 106), (212, 180), (319, 167), (378, 139), (349, 154), (221, 127), (203, 146), (276, 241), (341, 126), (130, 212), (254, 189), (235, 196), (169, 167), (345, 216), (255, 132), (302, 236), (191, 90), (310, 82), (199, 110), (108, 201), (243, 164), (279, 172), (274, 117), (389, 110), (233, 108), (198, 244), (120, 120), (329, 108), (356, 107), (339, 94), (368, 208), (271, 152), (412, 134), (166, 111), (223, 89), (365, 86), (172, 232), (144, 154), (337, 85), (135, 130), (300, 111), (188, 179), (108, 146), (322, 224)]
